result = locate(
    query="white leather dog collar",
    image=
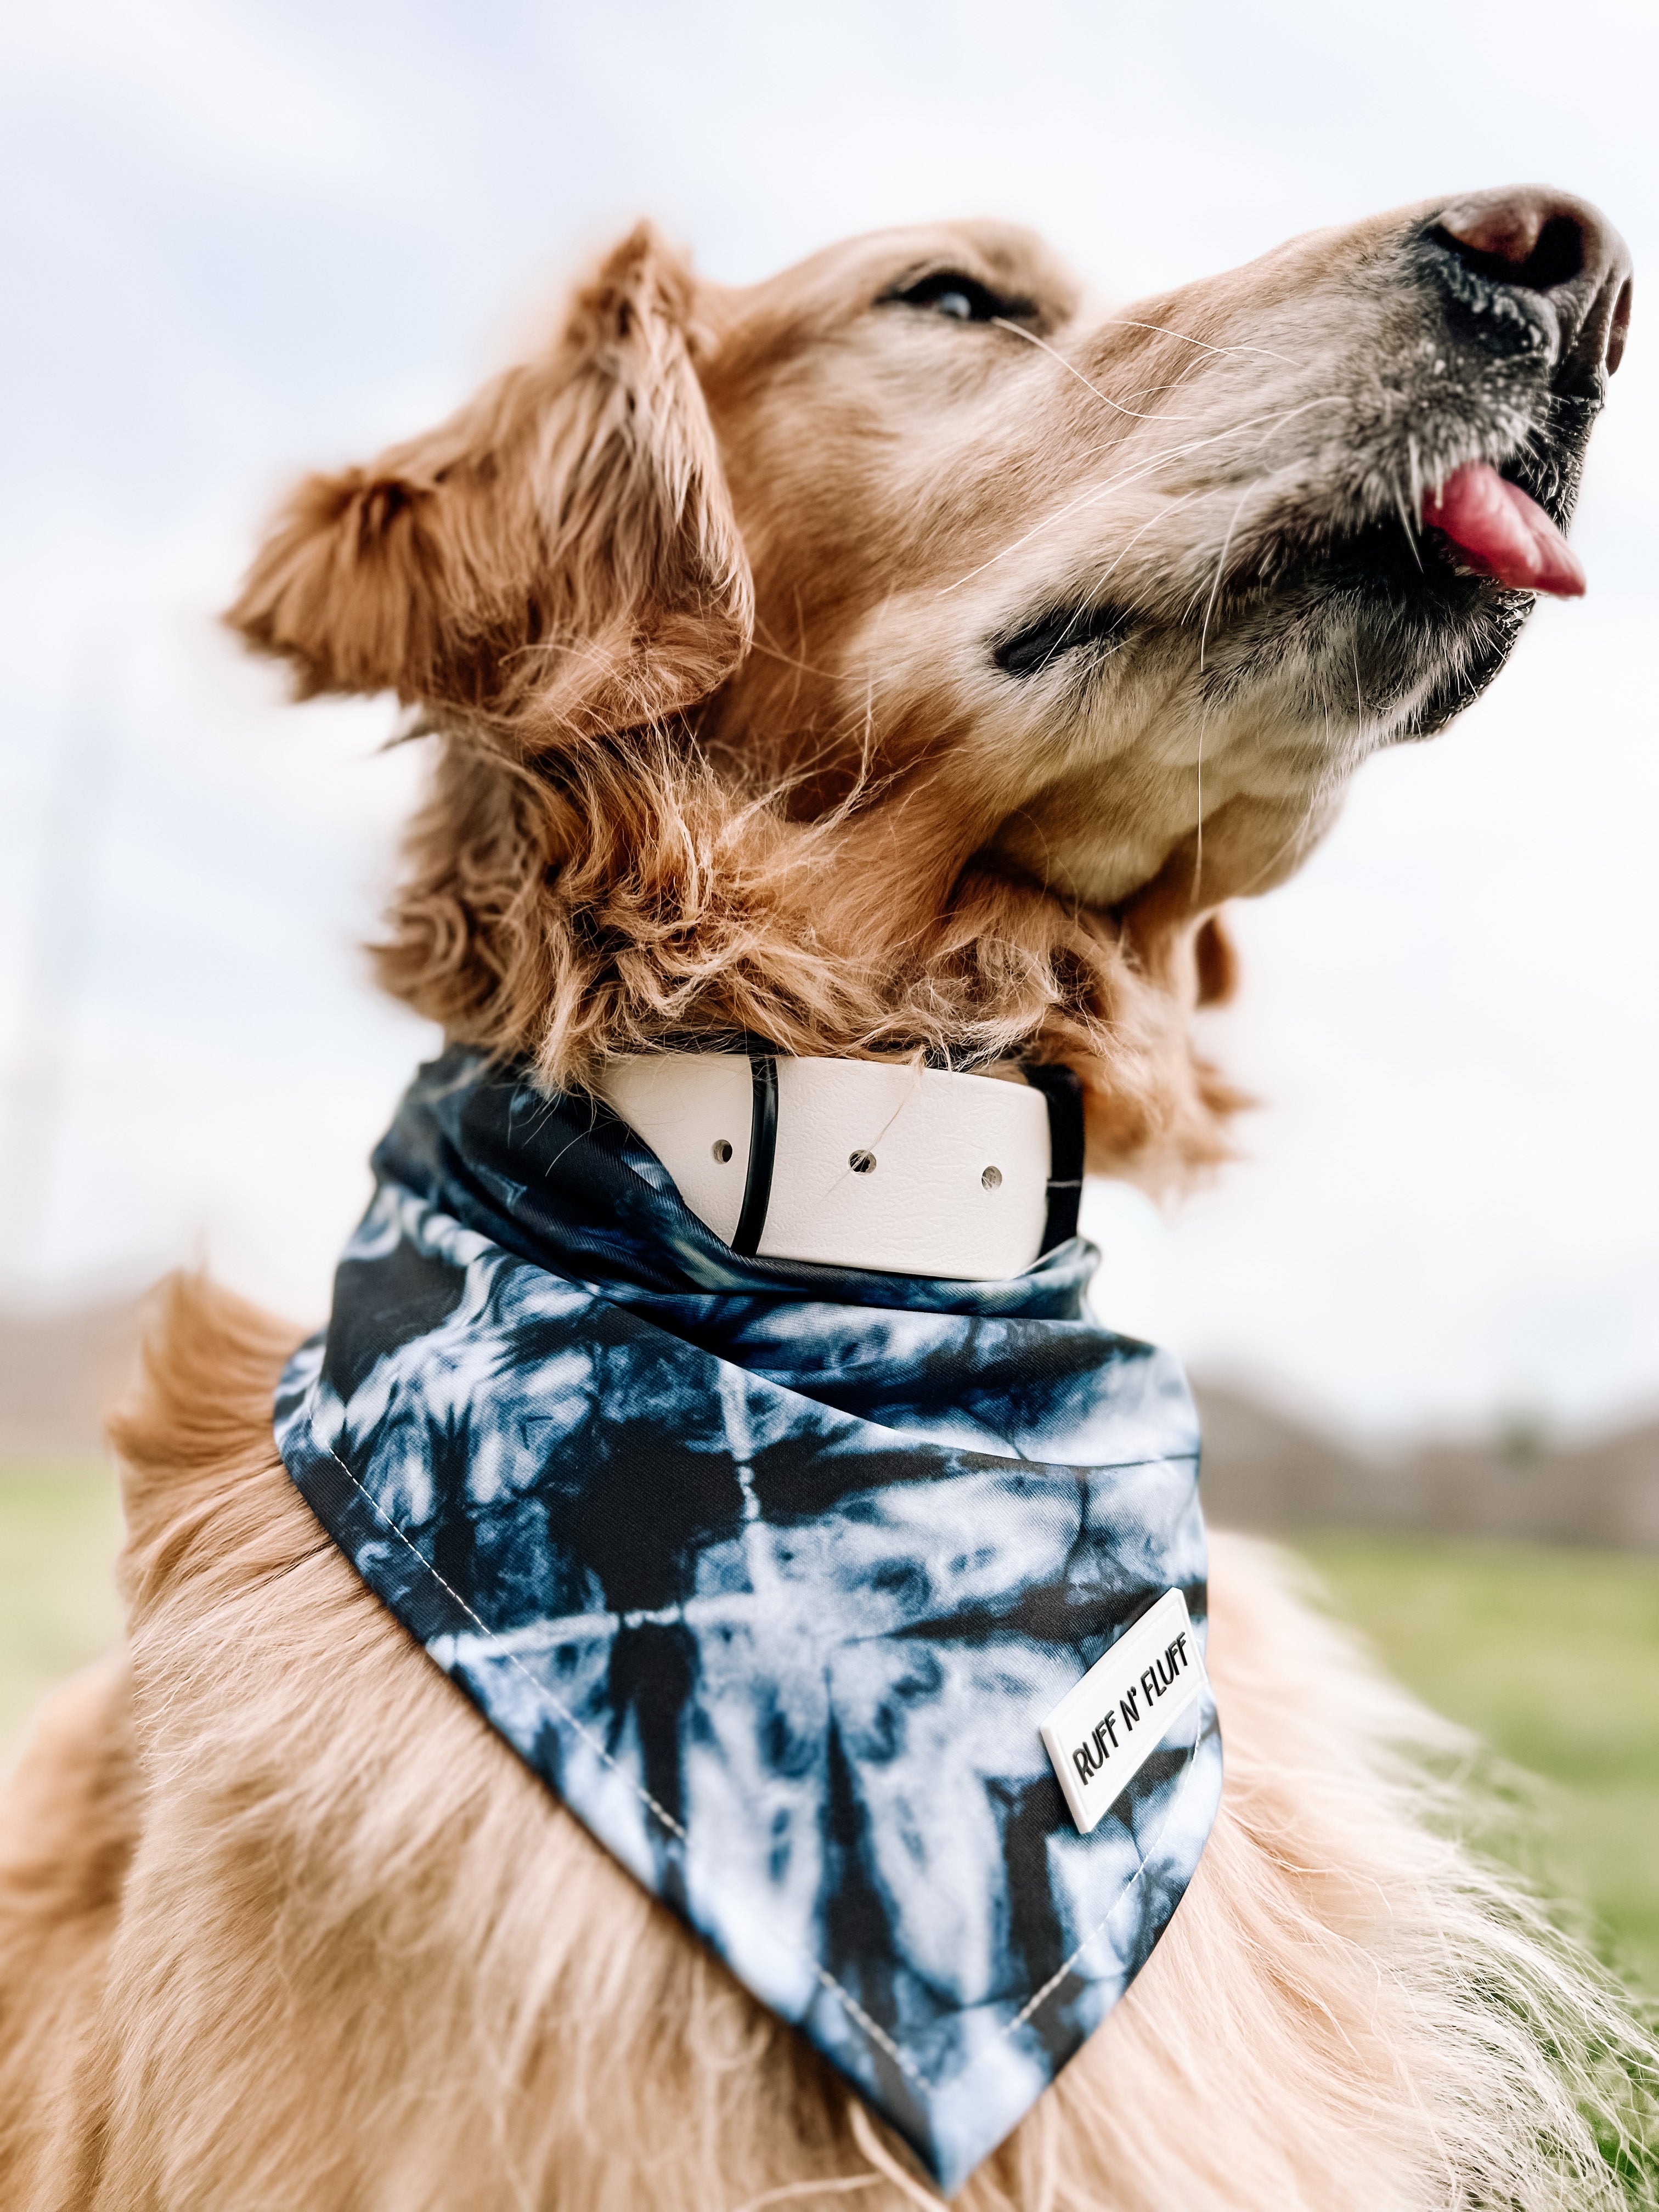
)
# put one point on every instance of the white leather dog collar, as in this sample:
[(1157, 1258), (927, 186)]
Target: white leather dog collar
[(859, 1163)]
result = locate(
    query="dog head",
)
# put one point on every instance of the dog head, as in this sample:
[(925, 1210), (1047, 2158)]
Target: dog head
[(908, 653)]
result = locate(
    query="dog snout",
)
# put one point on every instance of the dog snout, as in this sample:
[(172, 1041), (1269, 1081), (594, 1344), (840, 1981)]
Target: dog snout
[(1518, 259)]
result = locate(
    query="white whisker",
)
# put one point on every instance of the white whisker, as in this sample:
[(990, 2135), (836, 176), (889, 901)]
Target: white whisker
[(1220, 565), (1408, 520), (1135, 415), (1143, 468), (1198, 840), (1358, 695), (1162, 515), (1123, 323)]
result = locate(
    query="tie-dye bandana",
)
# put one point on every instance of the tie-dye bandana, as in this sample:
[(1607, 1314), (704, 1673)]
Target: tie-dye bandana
[(773, 1572)]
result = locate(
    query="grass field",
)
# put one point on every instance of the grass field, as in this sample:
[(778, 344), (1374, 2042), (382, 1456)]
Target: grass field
[(1551, 1655), (60, 1527)]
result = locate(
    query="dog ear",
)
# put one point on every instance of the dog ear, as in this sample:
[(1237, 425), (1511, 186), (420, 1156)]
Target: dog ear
[(560, 557)]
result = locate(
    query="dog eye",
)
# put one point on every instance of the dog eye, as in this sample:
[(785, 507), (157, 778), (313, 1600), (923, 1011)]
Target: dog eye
[(964, 299)]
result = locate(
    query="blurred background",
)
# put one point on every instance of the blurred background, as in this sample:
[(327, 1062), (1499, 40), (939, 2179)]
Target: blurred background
[(242, 240)]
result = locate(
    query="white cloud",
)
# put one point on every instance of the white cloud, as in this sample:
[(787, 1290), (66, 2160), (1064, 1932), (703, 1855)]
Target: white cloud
[(224, 87)]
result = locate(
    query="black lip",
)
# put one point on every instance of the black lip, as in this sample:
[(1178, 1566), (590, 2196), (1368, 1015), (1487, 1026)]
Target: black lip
[(1549, 469), (1412, 628), (1057, 632)]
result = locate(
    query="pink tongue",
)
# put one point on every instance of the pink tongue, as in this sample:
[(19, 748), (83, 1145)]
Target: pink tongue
[(1501, 532)]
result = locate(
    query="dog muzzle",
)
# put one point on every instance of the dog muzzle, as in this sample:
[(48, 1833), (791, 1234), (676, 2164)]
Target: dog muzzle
[(796, 1522)]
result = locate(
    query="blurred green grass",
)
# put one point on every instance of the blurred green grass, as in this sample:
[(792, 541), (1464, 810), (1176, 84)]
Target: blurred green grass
[(60, 1529), (1551, 1655)]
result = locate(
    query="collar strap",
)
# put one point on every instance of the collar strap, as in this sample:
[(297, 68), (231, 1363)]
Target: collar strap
[(863, 1164)]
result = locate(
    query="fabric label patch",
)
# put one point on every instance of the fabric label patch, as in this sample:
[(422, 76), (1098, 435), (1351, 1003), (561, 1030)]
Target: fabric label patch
[(1102, 1732)]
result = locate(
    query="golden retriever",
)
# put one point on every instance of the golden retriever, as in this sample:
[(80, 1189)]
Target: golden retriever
[(906, 655)]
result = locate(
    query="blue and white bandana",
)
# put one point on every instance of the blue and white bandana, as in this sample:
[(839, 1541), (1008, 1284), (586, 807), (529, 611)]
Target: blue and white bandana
[(773, 1572)]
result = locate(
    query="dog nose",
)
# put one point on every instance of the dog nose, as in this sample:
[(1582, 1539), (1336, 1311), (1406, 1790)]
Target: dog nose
[(1530, 238)]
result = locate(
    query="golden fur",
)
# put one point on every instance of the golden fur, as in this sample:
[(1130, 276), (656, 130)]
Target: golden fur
[(708, 610)]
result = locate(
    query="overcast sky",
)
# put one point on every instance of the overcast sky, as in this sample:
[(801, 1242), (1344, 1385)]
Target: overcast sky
[(240, 240)]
